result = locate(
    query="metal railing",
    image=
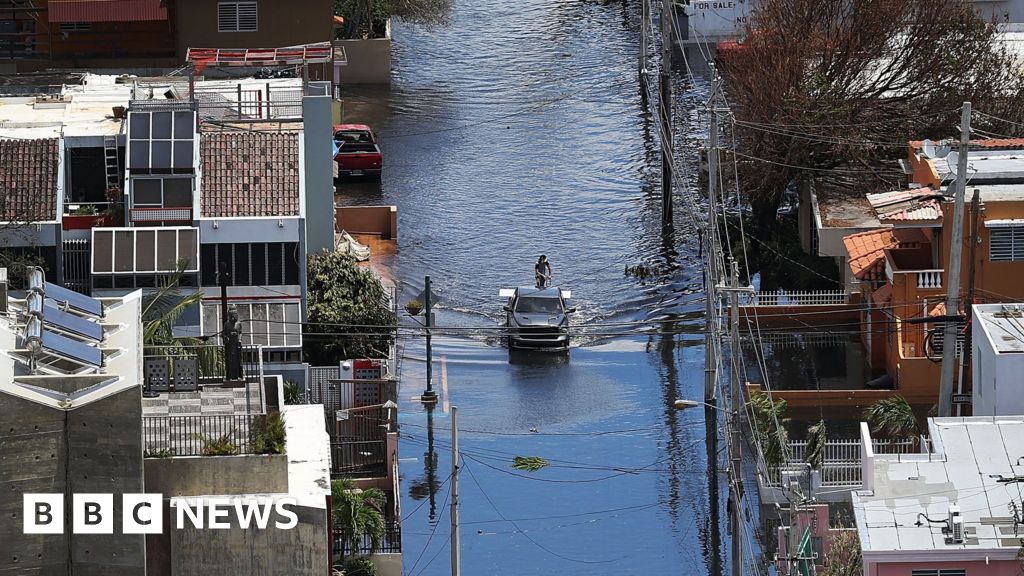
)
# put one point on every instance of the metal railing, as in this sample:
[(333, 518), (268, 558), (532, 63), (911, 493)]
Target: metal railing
[(359, 458), (841, 464), (798, 298), (198, 435), (159, 214), (391, 544), (210, 360)]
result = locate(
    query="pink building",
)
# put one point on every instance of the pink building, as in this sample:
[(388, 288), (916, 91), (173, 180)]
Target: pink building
[(955, 511)]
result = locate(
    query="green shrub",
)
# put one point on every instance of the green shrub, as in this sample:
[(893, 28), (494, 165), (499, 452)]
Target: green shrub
[(222, 446), (359, 566), (269, 434)]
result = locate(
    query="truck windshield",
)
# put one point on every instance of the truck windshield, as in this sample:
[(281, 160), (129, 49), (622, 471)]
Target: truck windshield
[(539, 305)]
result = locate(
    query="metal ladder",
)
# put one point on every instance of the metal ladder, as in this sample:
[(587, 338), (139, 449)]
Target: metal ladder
[(110, 160)]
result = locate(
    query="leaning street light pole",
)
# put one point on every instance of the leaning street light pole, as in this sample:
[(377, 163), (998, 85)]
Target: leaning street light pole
[(956, 245)]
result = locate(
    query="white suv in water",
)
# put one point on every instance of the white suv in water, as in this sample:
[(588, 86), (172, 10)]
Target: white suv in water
[(537, 317)]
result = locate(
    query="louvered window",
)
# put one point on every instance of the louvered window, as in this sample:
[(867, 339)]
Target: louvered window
[(258, 264), (236, 17), (1006, 244)]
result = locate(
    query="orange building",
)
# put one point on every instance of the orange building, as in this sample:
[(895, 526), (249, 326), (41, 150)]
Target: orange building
[(902, 268)]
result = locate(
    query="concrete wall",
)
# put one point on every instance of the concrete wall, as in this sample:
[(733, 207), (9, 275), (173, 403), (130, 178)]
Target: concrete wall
[(318, 162), (977, 568), (369, 61), (280, 23), (996, 379), (96, 448), (252, 552), (199, 475), (381, 220)]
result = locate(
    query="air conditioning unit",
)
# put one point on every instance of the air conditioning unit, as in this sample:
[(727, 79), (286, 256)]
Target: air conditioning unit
[(956, 525)]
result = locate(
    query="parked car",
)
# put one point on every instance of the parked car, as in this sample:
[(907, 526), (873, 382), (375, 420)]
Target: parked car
[(537, 318), (358, 151), (790, 204)]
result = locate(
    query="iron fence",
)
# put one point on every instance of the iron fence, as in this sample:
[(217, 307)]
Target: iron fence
[(199, 435), (203, 364), (391, 543), (359, 458)]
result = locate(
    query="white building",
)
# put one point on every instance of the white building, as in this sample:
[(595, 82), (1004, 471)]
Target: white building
[(998, 359)]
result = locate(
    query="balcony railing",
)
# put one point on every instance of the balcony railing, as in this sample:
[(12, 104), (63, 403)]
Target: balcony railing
[(359, 458), (198, 435), (929, 278), (175, 215), (799, 298), (392, 543), (841, 465), (187, 368)]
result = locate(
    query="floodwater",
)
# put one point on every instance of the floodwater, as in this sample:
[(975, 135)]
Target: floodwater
[(521, 129)]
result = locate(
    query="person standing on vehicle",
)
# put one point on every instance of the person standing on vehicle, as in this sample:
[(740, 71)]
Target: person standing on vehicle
[(542, 270)]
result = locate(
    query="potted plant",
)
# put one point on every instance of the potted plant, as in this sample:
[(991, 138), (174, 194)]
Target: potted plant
[(414, 307)]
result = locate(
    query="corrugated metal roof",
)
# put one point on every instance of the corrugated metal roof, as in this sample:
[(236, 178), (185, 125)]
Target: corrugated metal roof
[(916, 205), (106, 10)]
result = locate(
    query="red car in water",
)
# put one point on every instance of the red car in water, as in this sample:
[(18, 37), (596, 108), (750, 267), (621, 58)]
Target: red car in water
[(358, 152)]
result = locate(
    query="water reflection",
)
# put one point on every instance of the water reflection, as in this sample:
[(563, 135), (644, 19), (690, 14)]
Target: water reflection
[(428, 486)]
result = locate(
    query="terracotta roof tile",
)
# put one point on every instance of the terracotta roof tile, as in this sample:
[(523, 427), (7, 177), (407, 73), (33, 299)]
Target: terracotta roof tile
[(991, 143), (29, 171), (250, 174), (867, 249)]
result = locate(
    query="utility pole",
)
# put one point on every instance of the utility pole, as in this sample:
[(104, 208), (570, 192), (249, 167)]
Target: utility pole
[(456, 560), (429, 396), (735, 443), (710, 272), (665, 104), (953, 269), (645, 22), (968, 337), (735, 475)]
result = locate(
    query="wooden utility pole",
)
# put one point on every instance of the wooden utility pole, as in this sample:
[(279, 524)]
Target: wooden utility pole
[(456, 559), (645, 22), (665, 105), (965, 362), (956, 245)]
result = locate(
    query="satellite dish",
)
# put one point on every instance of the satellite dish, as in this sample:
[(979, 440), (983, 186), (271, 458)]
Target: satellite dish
[(943, 150), (928, 147), (951, 160)]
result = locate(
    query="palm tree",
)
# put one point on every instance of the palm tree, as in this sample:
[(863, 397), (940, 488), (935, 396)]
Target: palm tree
[(893, 417), (358, 513), (768, 418), (817, 437), (160, 312)]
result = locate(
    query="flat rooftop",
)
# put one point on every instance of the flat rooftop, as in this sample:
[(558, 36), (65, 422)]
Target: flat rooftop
[(80, 110), (971, 456), (1003, 325), (985, 166)]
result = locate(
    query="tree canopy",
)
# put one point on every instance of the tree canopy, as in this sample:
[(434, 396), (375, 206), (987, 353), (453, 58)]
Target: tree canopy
[(834, 89), (349, 311), (366, 18)]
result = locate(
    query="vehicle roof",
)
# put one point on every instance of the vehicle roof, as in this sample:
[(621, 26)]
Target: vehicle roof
[(534, 292), (338, 127)]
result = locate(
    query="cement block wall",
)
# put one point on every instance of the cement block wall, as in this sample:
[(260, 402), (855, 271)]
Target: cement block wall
[(381, 220), (252, 552), (369, 61), (206, 475), (96, 448)]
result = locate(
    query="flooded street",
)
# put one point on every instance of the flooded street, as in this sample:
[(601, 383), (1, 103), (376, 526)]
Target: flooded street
[(520, 130)]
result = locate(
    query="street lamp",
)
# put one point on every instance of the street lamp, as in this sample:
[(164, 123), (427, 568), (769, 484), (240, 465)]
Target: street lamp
[(429, 396), (682, 404)]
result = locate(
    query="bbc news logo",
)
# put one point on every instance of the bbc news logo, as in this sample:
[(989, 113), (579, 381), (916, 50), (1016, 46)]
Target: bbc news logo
[(144, 513)]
